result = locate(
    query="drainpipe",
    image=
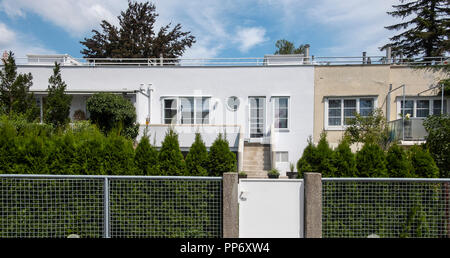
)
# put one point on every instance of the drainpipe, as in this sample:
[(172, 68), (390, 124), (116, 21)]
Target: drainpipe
[(148, 94)]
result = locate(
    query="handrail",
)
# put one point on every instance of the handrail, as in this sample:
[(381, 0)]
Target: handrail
[(272, 60)]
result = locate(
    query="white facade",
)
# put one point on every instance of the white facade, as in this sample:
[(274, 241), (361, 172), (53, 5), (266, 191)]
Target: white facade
[(215, 85)]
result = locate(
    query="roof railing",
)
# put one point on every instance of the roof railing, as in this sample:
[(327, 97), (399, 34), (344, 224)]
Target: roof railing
[(240, 61)]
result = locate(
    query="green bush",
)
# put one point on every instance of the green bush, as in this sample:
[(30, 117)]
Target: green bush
[(309, 162), (110, 111), (398, 164), (422, 163), (324, 153), (371, 161), (119, 155), (220, 158), (171, 160), (146, 158), (57, 107), (438, 142), (197, 158), (344, 161)]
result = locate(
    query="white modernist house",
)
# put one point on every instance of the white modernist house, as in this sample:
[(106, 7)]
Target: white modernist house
[(265, 111)]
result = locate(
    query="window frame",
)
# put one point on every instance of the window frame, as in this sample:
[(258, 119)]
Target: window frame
[(430, 100), (288, 124), (342, 125), (178, 108)]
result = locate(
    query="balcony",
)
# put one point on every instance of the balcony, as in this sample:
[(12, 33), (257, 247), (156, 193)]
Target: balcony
[(186, 134), (408, 130)]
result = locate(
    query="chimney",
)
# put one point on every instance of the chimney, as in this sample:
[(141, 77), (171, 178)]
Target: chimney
[(388, 55), (307, 53)]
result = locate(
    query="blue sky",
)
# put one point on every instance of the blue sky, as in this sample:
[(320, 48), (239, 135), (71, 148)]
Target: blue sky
[(223, 28)]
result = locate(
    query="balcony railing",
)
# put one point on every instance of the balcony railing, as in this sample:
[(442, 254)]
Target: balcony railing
[(411, 129)]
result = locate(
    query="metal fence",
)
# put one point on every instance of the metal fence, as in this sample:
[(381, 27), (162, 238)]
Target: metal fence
[(372, 207), (110, 206)]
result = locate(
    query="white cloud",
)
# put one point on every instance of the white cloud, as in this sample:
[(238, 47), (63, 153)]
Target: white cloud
[(20, 44), (250, 37), (6, 36), (76, 17)]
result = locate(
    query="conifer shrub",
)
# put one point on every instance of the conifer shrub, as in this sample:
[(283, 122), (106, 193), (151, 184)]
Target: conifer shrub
[(398, 164), (197, 158), (146, 158), (422, 163), (371, 161), (119, 155), (171, 160), (62, 153), (221, 159), (324, 152), (89, 151), (310, 159), (344, 161)]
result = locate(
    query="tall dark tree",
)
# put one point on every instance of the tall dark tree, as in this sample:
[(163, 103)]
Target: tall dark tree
[(57, 107), (136, 36), (427, 28), (15, 96), (285, 47)]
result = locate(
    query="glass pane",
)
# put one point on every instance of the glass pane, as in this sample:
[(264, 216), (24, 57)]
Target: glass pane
[(281, 123), (365, 112), (366, 103), (170, 104), (334, 103), (334, 121), (334, 112), (437, 107), (187, 110), (422, 112), (409, 104), (423, 104), (349, 112), (283, 102), (349, 103)]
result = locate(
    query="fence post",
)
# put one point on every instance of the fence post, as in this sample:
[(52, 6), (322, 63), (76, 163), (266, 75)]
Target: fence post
[(230, 216), (313, 205), (106, 208)]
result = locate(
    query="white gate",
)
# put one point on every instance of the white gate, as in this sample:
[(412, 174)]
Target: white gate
[(271, 208)]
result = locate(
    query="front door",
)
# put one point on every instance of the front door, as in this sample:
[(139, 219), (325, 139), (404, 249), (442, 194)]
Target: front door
[(257, 117)]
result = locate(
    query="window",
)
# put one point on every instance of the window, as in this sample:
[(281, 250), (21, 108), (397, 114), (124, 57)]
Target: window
[(421, 108), (340, 111), (282, 156), (281, 108), (186, 110), (437, 105)]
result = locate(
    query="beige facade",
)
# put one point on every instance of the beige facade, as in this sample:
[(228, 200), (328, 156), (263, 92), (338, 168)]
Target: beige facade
[(362, 82)]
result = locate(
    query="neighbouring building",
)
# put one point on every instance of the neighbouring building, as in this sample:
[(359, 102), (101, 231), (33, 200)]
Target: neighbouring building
[(266, 107)]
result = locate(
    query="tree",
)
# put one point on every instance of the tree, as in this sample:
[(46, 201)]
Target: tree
[(371, 161), (15, 96), (109, 111), (57, 107), (344, 161), (369, 129), (325, 153), (221, 159), (171, 160), (438, 141), (426, 32), (422, 163), (309, 162), (136, 36), (398, 164), (146, 158), (285, 47), (197, 158)]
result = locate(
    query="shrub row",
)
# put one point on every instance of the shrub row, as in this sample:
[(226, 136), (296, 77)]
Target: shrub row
[(369, 161), (85, 150)]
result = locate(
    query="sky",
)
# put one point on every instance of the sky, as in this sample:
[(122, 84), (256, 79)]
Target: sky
[(223, 28)]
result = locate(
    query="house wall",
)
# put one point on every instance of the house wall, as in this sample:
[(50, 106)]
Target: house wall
[(219, 83), (366, 80)]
